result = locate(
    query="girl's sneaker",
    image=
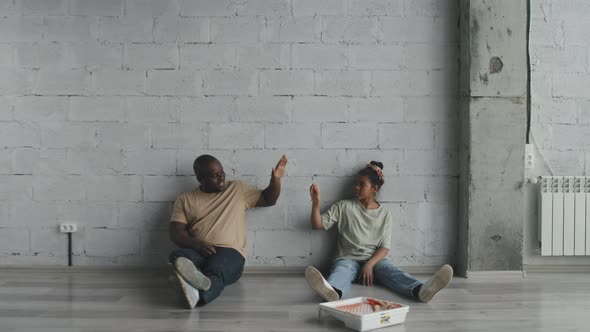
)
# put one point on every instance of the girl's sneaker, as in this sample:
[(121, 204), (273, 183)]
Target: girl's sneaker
[(438, 281), (320, 285)]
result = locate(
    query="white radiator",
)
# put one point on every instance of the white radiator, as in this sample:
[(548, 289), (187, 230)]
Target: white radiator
[(564, 213)]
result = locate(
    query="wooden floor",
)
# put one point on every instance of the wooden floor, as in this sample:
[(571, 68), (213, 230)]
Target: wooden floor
[(124, 301)]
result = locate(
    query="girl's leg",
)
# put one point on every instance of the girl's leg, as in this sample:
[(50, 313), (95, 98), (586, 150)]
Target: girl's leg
[(395, 279), (344, 272)]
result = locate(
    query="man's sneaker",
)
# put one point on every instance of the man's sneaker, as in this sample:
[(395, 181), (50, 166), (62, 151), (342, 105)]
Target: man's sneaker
[(438, 281), (320, 285), (189, 294), (189, 272)]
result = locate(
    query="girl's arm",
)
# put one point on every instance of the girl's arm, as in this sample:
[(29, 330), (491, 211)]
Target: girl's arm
[(316, 218), (378, 255)]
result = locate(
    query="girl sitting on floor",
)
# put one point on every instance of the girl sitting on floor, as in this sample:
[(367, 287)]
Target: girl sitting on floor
[(364, 240)]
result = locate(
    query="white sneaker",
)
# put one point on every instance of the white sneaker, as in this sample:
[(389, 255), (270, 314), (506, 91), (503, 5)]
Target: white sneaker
[(438, 281), (191, 274), (190, 294), (320, 285)]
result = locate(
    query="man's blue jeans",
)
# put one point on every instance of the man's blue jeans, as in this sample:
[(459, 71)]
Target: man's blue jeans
[(223, 268), (346, 271)]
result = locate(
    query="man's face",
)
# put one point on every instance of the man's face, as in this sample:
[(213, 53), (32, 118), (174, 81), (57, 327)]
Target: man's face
[(212, 178)]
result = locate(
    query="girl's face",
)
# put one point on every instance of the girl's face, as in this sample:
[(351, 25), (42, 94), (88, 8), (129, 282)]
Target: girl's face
[(363, 189)]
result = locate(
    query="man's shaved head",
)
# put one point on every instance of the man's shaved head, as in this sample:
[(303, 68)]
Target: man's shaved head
[(201, 163), (210, 173)]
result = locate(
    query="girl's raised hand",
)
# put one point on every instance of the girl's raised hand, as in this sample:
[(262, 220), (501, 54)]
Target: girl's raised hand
[(314, 192)]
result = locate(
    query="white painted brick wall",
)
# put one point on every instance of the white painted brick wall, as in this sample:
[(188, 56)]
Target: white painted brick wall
[(286, 82), (151, 109), (236, 136), (105, 105), (210, 109), (292, 136), (139, 56), (111, 242), (319, 56), (93, 109), (97, 8), (231, 83), (359, 136), (41, 109), (343, 83), (320, 109), (186, 29), (376, 7), (174, 83), (263, 109), (63, 82), (40, 7), (122, 135), (153, 8), (68, 135), (72, 29), (119, 82), (236, 29), (319, 7), (176, 135), (293, 29), (206, 56)]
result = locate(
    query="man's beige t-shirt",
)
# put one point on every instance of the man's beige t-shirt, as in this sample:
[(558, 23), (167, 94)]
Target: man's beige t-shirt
[(218, 218)]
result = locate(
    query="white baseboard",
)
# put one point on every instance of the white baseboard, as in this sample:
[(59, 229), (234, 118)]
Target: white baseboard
[(495, 274), (557, 268)]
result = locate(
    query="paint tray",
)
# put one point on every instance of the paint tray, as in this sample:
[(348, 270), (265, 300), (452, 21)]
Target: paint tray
[(359, 313)]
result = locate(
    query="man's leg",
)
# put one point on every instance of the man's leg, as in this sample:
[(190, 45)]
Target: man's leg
[(190, 259), (191, 254), (390, 276), (187, 263), (223, 268)]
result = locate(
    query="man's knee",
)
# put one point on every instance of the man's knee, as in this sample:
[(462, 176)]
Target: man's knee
[(229, 272), (181, 252)]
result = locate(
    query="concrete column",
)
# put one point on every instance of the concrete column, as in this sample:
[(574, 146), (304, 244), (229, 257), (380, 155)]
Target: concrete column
[(493, 99)]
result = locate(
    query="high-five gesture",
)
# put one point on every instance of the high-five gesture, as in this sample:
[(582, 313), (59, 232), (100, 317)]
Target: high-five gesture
[(314, 192), (316, 218), (281, 168), (271, 193)]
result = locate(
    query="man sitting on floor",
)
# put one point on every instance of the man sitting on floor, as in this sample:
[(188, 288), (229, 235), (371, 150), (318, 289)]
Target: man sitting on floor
[(209, 226)]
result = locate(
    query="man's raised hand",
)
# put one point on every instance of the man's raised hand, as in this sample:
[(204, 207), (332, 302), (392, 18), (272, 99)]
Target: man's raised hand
[(281, 168)]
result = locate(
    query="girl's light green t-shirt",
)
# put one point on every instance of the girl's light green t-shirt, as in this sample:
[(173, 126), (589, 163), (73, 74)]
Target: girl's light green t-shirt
[(361, 231)]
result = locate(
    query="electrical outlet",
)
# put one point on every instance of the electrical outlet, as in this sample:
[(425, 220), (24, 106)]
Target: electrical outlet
[(68, 228), (529, 156)]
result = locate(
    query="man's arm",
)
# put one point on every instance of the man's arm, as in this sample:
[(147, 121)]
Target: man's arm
[(270, 195), (181, 238)]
